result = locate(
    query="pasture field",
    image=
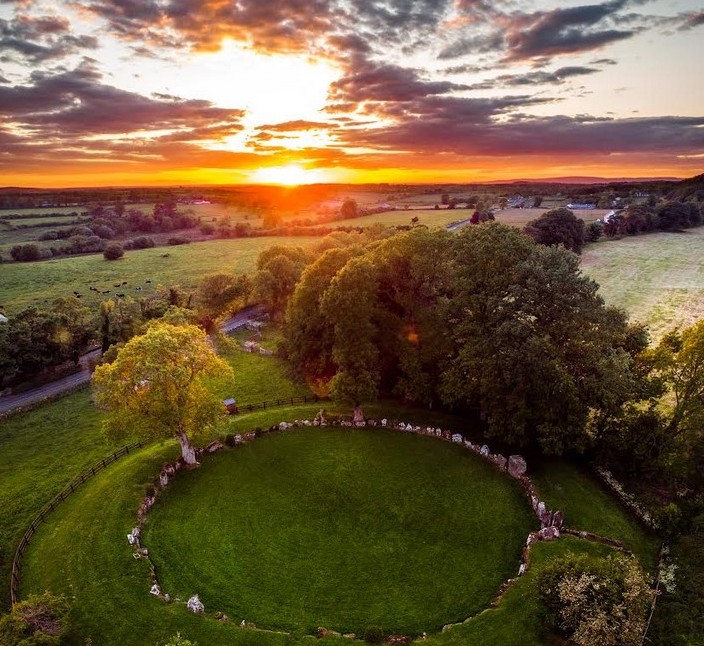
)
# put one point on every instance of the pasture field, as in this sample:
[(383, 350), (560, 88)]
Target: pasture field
[(24, 284), (44, 210), (520, 217), (428, 217), (47, 220), (657, 278)]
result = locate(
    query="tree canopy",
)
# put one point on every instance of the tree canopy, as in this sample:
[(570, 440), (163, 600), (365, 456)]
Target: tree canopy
[(156, 386), (559, 226), (484, 320)]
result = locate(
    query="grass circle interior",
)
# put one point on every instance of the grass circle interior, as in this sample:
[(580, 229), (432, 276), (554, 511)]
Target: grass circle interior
[(340, 528)]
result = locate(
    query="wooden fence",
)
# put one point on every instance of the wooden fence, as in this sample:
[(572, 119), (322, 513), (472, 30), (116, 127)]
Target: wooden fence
[(16, 577), (286, 401)]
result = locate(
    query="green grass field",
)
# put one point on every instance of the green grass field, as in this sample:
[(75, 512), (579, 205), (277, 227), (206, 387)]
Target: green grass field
[(580, 496), (657, 278), (342, 529), (520, 217), (81, 551), (23, 284), (428, 217)]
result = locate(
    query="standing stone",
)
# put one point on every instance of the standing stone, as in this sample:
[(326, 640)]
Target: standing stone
[(517, 466), (194, 604), (540, 509), (549, 533), (484, 450), (545, 518), (557, 519)]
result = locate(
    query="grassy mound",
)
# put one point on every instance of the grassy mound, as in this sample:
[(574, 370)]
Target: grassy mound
[(342, 529)]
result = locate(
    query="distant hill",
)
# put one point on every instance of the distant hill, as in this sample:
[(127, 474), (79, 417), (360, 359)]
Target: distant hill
[(587, 180), (688, 189)]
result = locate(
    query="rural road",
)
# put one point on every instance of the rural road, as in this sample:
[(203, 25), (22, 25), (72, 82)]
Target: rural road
[(10, 402)]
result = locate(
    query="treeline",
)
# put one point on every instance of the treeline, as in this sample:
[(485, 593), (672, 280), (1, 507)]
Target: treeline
[(561, 226)]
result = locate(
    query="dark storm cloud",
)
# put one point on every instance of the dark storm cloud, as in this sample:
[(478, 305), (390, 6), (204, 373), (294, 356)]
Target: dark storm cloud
[(477, 44), (695, 19), (336, 26), (370, 81), (66, 116), (40, 39), (476, 127), (558, 77), (78, 102), (562, 31)]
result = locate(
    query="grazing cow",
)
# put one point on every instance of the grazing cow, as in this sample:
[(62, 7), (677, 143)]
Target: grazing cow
[(148, 281)]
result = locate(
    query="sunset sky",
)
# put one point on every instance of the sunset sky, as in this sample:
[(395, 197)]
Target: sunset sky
[(110, 92)]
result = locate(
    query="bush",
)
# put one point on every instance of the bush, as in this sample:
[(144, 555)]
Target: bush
[(230, 440), (113, 251), (104, 232), (373, 635), (593, 600), (26, 252), (207, 229), (40, 619), (177, 240), (143, 242)]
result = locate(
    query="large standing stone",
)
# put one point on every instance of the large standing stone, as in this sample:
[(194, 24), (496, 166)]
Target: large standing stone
[(516, 466), (194, 604), (558, 519), (549, 533), (484, 450)]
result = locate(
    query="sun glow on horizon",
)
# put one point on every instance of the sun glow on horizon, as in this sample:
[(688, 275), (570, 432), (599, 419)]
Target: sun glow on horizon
[(289, 175)]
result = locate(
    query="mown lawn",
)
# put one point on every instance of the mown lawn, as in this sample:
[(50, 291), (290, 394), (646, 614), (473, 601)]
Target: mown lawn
[(23, 284), (341, 528), (657, 278)]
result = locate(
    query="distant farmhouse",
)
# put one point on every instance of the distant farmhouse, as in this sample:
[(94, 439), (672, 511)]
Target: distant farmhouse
[(580, 207)]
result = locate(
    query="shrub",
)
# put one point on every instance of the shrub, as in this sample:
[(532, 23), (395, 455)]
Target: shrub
[(373, 635), (176, 240), (113, 251), (207, 229), (143, 242), (594, 231), (26, 252), (40, 619), (104, 232), (596, 601), (230, 440)]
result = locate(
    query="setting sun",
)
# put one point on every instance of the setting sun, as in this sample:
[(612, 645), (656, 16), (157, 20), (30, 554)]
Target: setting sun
[(290, 175)]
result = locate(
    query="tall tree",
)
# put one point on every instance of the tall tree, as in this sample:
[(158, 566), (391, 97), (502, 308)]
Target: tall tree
[(559, 226), (678, 363), (156, 387), (278, 270)]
